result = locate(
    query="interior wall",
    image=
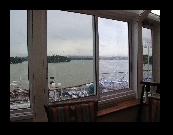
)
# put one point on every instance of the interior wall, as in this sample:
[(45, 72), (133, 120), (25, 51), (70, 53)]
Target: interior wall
[(125, 115)]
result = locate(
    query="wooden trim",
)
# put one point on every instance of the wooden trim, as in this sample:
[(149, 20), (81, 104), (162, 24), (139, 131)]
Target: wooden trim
[(118, 107)]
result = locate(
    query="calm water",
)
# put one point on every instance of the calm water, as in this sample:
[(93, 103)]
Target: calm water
[(72, 73)]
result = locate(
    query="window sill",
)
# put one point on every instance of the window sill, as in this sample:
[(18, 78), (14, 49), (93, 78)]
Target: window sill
[(118, 107)]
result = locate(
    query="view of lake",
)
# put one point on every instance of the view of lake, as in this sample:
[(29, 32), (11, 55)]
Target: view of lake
[(73, 73)]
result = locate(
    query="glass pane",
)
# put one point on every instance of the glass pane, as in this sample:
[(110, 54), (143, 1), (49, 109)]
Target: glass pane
[(19, 83), (70, 55), (113, 55), (147, 54)]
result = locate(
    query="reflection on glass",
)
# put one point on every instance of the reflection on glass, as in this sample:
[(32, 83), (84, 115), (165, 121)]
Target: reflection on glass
[(19, 83), (147, 54), (113, 55), (70, 55)]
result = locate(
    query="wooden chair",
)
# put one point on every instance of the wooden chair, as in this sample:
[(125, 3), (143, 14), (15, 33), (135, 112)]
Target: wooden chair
[(154, 109), (146, 88), (73, 111)]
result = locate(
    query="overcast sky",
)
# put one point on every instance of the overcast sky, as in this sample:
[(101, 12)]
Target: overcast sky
[(72, 34), (18, 33)]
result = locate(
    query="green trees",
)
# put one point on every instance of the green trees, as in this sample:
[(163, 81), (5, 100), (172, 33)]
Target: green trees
[(51, 59), (15, 60), (57, 58)]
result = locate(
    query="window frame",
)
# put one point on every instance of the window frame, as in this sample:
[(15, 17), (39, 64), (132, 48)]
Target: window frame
[(24, 113), (152, 42), (95, 65), (130, 93)]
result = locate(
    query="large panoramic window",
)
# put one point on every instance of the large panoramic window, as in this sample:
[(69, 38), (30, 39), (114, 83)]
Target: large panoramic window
[(19, 83), (69, 55), (147, 54)]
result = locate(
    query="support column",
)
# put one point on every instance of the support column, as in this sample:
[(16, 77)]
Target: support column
[(156, 52), (140, 51), (38, 64)]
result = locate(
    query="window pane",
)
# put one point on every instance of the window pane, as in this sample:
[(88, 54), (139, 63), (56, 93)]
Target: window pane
[(19, 83), (147, 54), (113, 55), (70, 55)]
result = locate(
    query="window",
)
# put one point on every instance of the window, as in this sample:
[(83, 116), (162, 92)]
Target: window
[(113, 60), (147, 54), (70, 55), (70, 46), (19, 83)]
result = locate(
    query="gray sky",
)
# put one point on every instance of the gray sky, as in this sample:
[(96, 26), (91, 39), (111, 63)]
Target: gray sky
[(113, 37), (18, 33), (71, 34), (146, 41)]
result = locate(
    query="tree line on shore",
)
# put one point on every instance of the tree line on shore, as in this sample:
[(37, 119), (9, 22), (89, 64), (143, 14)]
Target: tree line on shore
[(58, 58), (50, 59)]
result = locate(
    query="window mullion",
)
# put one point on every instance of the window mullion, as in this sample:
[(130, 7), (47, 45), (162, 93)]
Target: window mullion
[(39, 82), (96, 55)]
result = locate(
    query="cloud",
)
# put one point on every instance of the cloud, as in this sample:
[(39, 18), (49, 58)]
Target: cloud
[(113, 37), (18, 32), (71, 33)]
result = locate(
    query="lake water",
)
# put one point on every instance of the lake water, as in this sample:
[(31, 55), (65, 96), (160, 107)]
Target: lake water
[(72, 73)]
